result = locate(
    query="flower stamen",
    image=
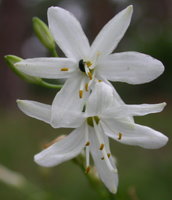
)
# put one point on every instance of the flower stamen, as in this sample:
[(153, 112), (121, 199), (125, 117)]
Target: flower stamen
[(119, 136), (88, 63), (108, 155), (90, 75), (104, 152), (87, 143), (101, 147), (86, 87), (87, 146), (65, 69), (80, 94)]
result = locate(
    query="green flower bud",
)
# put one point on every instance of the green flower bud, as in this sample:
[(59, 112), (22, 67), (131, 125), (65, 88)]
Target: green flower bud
[(11, 60), (42, 32)]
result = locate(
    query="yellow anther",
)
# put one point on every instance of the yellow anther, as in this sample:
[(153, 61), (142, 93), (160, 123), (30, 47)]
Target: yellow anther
[(102, 158), (87, 143), (119, 136), (90, 75), (88, 63), (101, 147), (87, 169), (99, 80), (86, 87), (108, 155), (65, 69), (80, 94)]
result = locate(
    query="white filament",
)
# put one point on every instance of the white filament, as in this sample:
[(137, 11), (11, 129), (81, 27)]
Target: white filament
[(101, 141)]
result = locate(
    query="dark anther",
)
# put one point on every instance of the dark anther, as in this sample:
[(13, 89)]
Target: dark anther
[(81, 66), (84, 108)]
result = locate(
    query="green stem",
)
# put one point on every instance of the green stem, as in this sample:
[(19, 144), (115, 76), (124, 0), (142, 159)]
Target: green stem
[(49, 85)]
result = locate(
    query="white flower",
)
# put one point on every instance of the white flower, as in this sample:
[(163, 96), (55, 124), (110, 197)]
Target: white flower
[(84, 63), (104, 116)]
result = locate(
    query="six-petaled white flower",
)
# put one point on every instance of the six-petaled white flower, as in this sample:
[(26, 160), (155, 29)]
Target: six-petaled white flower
[(84, 63), (105, 116)]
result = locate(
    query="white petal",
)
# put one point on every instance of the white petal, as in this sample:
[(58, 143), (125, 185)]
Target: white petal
[(68, 33), (117, 99), (108, 177), (100, 98), (47, 67), (35, 109), (63, 150), (130, 67), (138, 135), (109, 37), (133, 110), (67, 106)]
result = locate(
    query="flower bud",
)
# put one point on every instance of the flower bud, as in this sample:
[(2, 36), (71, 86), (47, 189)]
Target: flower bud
[(11, 60), (42, 32)]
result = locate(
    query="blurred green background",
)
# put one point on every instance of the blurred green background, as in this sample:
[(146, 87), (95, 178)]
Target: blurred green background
[(143, 174)]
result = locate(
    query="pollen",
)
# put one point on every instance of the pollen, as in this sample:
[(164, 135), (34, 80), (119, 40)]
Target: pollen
[(80, 94), (65, 69), (101, 147), (87, 169), (100, 81), (90, 75), (102, 158), (86, 87), (119, 136), (88, 63), (87, 143)]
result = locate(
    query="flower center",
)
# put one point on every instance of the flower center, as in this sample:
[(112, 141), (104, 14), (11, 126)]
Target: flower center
[(90, 120), (86, 67)]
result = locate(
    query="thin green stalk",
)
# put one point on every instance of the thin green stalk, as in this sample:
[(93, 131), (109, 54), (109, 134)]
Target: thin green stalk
[(49, 85)]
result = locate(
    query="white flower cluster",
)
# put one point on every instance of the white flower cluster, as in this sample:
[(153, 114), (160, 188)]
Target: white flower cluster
[(88, 102)]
